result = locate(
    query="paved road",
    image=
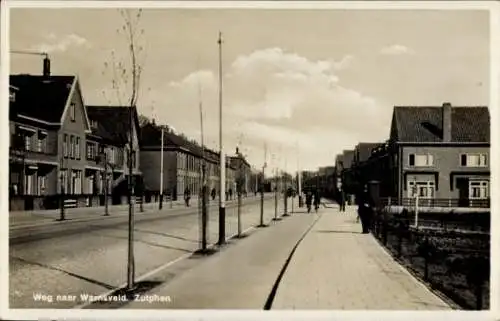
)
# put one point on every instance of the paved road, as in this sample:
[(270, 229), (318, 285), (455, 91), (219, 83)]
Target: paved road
[(94, 261)]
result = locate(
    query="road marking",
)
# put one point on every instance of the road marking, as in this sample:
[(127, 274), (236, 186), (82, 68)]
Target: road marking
[(158, 269)]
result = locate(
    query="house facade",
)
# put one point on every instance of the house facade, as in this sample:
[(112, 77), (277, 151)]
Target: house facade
[(54, 149), (182, 161), (440, 154), (107, 152), (48, 126)]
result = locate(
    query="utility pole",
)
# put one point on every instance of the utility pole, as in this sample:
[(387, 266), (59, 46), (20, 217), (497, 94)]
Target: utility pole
[(262, 188), (222, 194), (299, 178), (276, 218), (106, 182), (285, 190), (63, 195), (204, 191), (161, 168)]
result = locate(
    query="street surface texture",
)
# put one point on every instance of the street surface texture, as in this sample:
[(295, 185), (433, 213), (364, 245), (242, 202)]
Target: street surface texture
[(240, 276), (336, 267), (95, 261)]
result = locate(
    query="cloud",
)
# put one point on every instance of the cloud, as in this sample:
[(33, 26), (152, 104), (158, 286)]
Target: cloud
[(278, 98), (61, 44), (396, 50)]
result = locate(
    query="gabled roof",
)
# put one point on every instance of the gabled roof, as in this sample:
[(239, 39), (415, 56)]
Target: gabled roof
[(112, 122), (364, 150), (424, 124), (41, 98)]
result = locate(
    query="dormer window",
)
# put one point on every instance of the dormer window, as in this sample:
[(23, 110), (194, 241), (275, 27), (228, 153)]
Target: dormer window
[(72, 111), (12, 96), (93, 123)]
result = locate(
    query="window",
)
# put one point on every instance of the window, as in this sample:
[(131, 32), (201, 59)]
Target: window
[(111, 155), (473, 160), (12, 96), (93, 123), (424, 189), (64, 180), (71, 146), (422, 160), (65, 145), (72, 111), (27, 142), (77, 182), (42, 185), (42, 137), (91, 150), (478, 189), (77, 147)]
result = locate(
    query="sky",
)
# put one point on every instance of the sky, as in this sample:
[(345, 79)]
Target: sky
[(302, 84)]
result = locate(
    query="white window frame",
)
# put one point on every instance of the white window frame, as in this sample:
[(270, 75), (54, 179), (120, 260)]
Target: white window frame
[(42, 139), (428, 157), (42, 184), (77, 147), (112, 155), (65, 145), (27, 142), (483, 187), (425, 186), (72, 111), (482, 159)]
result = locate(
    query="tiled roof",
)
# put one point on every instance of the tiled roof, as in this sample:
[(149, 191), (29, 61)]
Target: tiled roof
[(40, 97), (424, 124), (151, 136), (364, 150), (112, 122)]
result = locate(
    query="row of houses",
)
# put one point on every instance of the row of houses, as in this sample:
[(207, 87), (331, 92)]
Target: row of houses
[(61, 146), (440, 154)]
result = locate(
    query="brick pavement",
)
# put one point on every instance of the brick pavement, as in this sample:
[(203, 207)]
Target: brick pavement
[(336, 267)]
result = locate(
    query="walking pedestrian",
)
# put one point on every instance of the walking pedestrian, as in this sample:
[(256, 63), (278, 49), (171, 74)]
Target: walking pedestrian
[(317, 199), (342, 201), (213, 194), (364, 209), (187, 196), (309, 198)]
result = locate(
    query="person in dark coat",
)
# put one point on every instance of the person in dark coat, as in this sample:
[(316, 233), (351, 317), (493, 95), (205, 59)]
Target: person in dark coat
[(342, 201), (187, 196), (365, 208), (309, 199), (317, 199), (213, 194)]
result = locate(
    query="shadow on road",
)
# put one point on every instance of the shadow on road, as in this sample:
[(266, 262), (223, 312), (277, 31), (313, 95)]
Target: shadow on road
[(144, 242)]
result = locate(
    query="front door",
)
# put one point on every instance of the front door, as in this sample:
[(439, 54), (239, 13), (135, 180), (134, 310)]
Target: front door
[(463, 192)]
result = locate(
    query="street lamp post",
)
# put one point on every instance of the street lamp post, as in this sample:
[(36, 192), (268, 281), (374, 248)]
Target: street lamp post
[(131, 260), (63, 195), (222, 194), (106, 183), (161, 169), (262, 188)]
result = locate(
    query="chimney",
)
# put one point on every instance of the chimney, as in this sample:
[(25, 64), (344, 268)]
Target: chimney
[(446, 122), (46, 67), (237, 151)]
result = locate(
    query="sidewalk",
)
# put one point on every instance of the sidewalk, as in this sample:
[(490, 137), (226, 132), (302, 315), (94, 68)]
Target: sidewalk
[(336, 267), (27, 218), (239, 276)]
